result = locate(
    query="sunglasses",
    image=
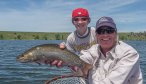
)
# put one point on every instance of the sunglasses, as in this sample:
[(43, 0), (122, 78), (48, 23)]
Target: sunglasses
[(82, 19), (107, 30)]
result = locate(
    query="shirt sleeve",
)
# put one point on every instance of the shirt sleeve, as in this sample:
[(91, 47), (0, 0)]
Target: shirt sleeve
[(123, 70), (90, 55), (69, 46)]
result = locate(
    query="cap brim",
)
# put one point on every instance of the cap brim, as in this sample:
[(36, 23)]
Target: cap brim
[(106, 24)]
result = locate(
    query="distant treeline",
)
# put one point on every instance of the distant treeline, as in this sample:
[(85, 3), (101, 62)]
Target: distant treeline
[(133, 36), (6, 35)]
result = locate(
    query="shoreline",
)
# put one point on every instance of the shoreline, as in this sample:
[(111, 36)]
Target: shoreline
[(12, 35)]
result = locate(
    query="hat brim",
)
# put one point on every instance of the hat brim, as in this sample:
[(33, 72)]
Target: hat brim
[(106, 24)]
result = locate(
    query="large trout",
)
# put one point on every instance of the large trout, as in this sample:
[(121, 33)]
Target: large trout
[(49, 52)]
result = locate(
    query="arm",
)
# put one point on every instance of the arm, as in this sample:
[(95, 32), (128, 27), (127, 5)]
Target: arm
[(89, 56)]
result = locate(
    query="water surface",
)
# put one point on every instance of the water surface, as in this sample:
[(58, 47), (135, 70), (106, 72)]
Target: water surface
[(13, 72)]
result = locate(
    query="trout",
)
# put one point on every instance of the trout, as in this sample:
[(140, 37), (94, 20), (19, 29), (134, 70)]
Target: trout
[(49, 52)]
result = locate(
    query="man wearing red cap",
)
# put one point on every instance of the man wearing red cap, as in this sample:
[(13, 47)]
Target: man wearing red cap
[(83, 37)]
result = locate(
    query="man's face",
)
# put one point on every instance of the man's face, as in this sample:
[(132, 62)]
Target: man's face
[(106, 37), (81, 23)]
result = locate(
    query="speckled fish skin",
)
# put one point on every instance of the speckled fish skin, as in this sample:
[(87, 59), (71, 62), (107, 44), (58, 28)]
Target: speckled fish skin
[(49, 52)]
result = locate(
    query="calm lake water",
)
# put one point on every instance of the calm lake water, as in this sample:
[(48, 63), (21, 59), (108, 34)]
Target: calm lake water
[(13, 72)]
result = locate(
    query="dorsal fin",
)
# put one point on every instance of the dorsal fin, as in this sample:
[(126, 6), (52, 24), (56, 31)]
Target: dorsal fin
[(48, 45)]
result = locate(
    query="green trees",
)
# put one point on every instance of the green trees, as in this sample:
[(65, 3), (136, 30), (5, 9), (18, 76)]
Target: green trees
[(36, 37), (19, 37), (57, 36), (45, 37), (1, 36), (133, 36), (61, 35)]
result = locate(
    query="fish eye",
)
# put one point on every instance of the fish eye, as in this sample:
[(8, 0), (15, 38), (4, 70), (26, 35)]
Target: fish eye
[(22, 55)]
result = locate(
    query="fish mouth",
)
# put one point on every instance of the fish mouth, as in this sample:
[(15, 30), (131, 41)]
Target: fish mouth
[(20, 59), (17, 58)]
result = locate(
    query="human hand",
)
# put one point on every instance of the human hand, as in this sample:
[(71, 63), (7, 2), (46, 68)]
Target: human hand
[(62, 45), (57, 63), (75, 69)]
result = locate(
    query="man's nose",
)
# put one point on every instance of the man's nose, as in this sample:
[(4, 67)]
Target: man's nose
[(80, 21)]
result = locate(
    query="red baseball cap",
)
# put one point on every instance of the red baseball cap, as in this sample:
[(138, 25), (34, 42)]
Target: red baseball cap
[(80, 12)]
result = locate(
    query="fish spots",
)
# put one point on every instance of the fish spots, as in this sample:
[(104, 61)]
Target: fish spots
[(37, 48), (30, 53)]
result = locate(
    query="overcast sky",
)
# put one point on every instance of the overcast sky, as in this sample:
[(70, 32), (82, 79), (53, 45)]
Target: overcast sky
[(55, 15)]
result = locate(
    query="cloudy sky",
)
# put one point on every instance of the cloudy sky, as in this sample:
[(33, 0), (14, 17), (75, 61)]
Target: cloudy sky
[(55, 15)]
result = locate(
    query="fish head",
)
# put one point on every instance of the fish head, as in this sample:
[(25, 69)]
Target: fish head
[(26, 57)]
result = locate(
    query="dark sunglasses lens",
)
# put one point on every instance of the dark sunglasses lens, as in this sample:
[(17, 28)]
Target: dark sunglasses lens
[(110, 31), (99, 31), (76, 19), (82, 19), (103, 31)]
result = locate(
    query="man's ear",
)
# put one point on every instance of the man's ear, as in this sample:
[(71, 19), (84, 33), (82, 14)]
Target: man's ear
[(89, 20), (72, 21)]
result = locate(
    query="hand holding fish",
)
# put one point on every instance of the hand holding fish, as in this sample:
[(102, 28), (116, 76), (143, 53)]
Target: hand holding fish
[(59, 63), (62, 45)]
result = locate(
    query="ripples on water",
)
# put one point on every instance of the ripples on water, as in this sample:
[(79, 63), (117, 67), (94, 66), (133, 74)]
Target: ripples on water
[(13, 72)]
